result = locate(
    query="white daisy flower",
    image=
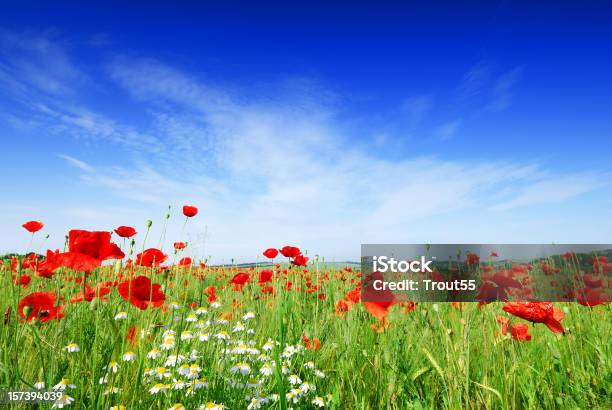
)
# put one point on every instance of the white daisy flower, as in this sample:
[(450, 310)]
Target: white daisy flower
[(153, 354), (201, 311), (212, 406), (63, 384), (39, 385), (178, 384), (318, 401), (128, 356), (215, 305), (309, 365), (64, 400), (174, 306), (307, 387), (239, 327), (295, 379), (199, 384), (177, 406), (112, 366), (174, 360), (222, 335), (159, 387), (242, 367), (191, 318), (255, 403), (72, 348), (186, 335), (268, 346), (248, 315), (168, 343), (266, 370), (161, 373), (204, 337), (121, 315), (319, 374)]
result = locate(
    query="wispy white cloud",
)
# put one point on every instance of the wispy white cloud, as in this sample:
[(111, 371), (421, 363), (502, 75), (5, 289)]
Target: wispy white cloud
[(272, 171)]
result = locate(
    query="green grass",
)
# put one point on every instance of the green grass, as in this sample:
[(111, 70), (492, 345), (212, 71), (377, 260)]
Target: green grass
[(434, 357)]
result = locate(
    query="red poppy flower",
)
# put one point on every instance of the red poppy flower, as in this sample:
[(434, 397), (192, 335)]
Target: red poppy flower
[(290, 251), (270, 253), (96, 244), (265, 276), (186, 261), (239, 280), (537, 312), (520, 331), (143, 294), (151, 257), (190, 211), (472, 259), (90, 293), (39, 306), (125, 231), (300, 260), (314, 344), (179, 245), (24, 280), (33, 226)]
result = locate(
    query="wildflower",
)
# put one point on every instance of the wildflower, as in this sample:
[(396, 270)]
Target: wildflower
[(223, 335), (294, 379), (309, 365), (307, 387), (112, 366), (248, 315), (190, 211), (150, 257), (128, 356), (33, 226), (191, 318), (201, 311), (153, 354), (178, 384), (252, 383), (318, 401), (39, 306), (537, 312), (72, 348), (141, 293), (199, 384), (161, 373), (270, 253), (118, 407), (204, 337), (64, 400), (168, 343), (212, 406), (159, 387), (293, 395), (125, 231), (319, 374), (242, 367), (268, 346), (520, 332), (39, 385), (174, 306), (177, 406), (173, 360), (121, 315), (239, 327), (186, 335), (255, 403), (215, 305), (266, 370), (63, 384)]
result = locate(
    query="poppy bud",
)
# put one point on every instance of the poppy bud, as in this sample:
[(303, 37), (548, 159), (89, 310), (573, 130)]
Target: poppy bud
[(47, 236), (149, 223)]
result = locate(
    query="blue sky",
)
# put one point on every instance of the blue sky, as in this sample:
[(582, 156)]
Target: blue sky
[(315, 125)]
